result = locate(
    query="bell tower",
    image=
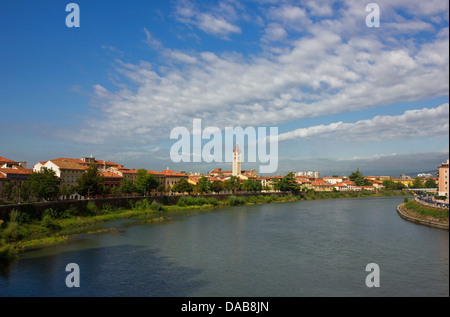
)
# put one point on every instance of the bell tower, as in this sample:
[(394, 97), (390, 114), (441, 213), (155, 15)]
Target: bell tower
[(236, 161)]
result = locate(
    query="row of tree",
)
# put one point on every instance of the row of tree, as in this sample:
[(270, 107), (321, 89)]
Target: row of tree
[(204, 185), (46, 185)]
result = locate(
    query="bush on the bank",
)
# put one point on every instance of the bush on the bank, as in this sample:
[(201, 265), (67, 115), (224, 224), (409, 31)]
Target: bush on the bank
[(11, 232), (50, 212), (235, 200), (142, 205), (14, 215), (196, 201), (91, 208), (156, 206), (7, 253), (47, 221), (107, 208)]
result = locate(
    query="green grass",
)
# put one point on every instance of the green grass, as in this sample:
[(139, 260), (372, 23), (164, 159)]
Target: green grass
[(425, 211)]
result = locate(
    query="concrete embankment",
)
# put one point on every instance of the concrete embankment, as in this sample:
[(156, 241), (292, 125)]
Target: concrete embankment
[(403, 212)]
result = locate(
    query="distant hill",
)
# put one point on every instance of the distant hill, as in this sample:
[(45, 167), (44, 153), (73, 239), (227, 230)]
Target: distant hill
[(414, 175)]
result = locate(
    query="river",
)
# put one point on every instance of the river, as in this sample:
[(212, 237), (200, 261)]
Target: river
[(304, 248)]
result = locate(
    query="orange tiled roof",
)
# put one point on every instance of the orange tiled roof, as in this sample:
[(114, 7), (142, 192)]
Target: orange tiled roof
[(5, 160), (154, 173), (127, 171), (110, 174), (80, 161), (172, 173), (16, 170), (69, 164)]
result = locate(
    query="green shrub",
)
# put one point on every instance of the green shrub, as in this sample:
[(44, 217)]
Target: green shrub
[(156, 206), (69, 212), (405, 200), (14, 215), (52, 213), (7, 253), (11, 232), (91, 208), (142, 205), (234, 200), (108, 208), (196, 201), (47, 221)]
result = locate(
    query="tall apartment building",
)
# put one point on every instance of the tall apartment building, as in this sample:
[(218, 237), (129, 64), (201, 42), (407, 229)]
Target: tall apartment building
[(443, 180)]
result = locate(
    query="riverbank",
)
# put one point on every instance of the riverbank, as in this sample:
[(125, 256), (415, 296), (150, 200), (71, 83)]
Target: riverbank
[(20, 233), (425, 215)]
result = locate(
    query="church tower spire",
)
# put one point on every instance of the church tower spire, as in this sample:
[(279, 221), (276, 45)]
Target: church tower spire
[(236, 161)]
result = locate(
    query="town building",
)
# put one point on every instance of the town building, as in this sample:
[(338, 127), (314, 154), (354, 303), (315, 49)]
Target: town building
[(12, 175), (70, 169), (320, 185), (333, 180), (169, 178), (314, 174), (443, 180)]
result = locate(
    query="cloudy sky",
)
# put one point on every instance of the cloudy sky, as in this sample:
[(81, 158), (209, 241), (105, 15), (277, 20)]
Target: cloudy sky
[(343, 95)]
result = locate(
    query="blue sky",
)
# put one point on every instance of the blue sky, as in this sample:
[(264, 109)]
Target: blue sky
[(343, 95)]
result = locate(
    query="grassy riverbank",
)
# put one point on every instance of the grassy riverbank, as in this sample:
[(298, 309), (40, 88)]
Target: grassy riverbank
[(20, 232), (420, 211)]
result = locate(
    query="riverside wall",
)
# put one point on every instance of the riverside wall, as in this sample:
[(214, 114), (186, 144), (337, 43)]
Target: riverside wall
[(405, 215), (36, 209)]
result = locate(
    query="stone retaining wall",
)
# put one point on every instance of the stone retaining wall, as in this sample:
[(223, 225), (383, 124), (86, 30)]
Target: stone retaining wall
[(405, 215)]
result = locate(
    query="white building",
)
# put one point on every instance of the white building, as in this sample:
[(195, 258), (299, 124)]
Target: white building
[(333, 180), (314, 174)]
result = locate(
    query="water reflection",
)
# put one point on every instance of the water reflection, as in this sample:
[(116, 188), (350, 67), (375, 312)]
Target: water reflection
[(124, 270)]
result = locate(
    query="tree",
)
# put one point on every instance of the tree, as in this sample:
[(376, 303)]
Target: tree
[(251, 185), (63, 191), (418, 183), (145, 182), (390, 184), (182, 186), (8, 190), (44, 184), (430, 183), (24, 190), (114, 190), (287, 183), (232, 184), (216, 186), (90, 182), (358, 178), (126, 186), (203, 185)]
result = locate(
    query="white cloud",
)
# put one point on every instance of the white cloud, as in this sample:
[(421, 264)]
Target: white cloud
[(216, 22), (320, 72), (274, 32), (412, 124)]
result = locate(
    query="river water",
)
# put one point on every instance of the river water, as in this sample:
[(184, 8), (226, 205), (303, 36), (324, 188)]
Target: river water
[(304, 248)]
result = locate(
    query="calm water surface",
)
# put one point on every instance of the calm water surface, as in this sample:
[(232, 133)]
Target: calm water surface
[(305, 248)]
